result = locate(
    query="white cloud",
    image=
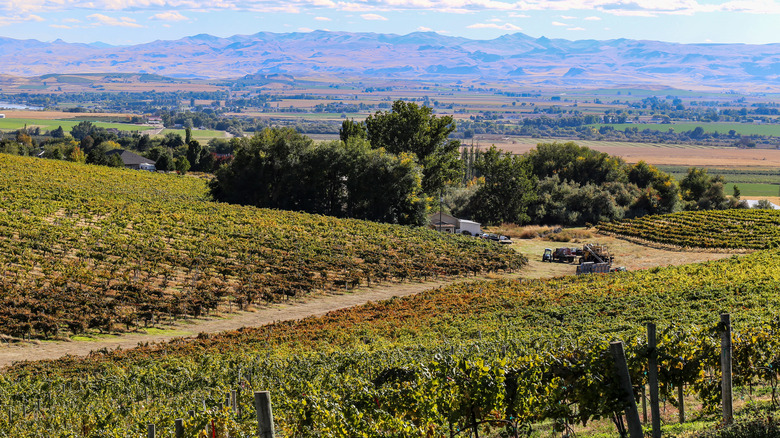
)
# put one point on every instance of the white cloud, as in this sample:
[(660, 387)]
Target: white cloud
[(593, 18), (15, 10), (305, 29), (71, 20), (322, 18), (752, 6), (576, 28), (558, 23), (105, 20), (568, 17), (505, 26), (424, 29), (61, 26), (373, 17), (169, 16), (9, 19)]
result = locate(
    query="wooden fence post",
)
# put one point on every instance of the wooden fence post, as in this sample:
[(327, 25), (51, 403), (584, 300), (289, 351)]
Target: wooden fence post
[(621, 366), (265, 417), (681, 402), (150, 431), (179, 427), (652, 375), (725, 367)]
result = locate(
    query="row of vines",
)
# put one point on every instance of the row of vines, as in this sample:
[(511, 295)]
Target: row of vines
[(733, 229), (532, 353), (92, 248)]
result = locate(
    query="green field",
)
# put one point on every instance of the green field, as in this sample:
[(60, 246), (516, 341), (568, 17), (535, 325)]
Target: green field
[(751, 182), (721, 128), (748, 190), (9, 124), (197, 134)]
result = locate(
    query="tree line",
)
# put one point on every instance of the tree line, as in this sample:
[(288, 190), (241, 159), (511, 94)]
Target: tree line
[(397, 165)]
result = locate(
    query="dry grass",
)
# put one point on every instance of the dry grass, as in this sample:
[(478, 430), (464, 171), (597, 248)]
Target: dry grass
[(515, 231), (569, 235)]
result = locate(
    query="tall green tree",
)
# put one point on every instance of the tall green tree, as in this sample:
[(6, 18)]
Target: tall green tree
[(660, 192), (507, 192), (194, 150), (412, 129), (351, 129), (702, 191)]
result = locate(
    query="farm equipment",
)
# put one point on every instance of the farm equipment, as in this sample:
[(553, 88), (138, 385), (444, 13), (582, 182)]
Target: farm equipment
[(595, 253), (561, 255), (593, 258)]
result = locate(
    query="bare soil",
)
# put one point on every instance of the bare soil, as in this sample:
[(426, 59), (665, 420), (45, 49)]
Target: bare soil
[(628, 254)]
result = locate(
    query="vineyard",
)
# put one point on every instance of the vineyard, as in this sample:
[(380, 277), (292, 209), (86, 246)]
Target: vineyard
[(733, 229), (531, 353), (89, 248)]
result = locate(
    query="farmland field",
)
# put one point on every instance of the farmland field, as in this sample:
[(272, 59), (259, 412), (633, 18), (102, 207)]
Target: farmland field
[(535, 351), (736, 229), (9, 124), (422, 364), (653, 153), (709, 127), (107, 249)]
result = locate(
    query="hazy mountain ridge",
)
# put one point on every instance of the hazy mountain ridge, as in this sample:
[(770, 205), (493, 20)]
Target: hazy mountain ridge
[(419, 55)]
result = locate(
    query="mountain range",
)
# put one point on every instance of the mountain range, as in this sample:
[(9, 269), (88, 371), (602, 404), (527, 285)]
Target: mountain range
[(416, 56)]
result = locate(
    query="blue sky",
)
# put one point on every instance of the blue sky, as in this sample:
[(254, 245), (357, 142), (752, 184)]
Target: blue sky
[(137, 21)]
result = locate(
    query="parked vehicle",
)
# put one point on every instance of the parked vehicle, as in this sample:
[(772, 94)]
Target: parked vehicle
[(504, 240)]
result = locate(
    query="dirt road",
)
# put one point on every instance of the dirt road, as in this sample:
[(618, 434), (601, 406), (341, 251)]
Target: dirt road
[(311, 306)]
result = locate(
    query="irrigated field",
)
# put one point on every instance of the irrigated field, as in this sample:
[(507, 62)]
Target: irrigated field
[(13, 124)]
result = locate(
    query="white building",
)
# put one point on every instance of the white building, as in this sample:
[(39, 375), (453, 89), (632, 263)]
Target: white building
[(450, 224), (752, 203)]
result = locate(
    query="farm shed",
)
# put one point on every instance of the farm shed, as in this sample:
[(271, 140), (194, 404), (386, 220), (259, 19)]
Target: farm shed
[(132, 160), (450, 224)]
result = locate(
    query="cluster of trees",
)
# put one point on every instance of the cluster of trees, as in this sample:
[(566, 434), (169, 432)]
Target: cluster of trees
[(384, 168), (89, 143), (574, 127), (280, 168), (565, 184)]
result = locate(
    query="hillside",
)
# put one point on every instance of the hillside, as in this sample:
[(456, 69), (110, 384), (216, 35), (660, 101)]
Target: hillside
[(424, 363), (104, 249), (422, 55), (713, 229)]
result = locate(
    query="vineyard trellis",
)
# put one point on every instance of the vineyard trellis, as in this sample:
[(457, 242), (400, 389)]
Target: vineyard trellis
[(105, 249)]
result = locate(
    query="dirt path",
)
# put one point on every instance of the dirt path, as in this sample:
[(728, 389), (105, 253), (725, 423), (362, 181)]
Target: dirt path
[(626, 253), (311, 306)]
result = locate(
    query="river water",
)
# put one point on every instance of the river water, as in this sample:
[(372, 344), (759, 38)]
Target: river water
[(14, 106)]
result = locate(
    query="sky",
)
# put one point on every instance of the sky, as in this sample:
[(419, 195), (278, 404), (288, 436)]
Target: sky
[(125, 22)]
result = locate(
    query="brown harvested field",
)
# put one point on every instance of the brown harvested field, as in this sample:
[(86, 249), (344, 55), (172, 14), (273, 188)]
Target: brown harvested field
[(653, 153)]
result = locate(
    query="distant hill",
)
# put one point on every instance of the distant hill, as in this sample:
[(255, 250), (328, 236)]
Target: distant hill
[(420, 55)]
